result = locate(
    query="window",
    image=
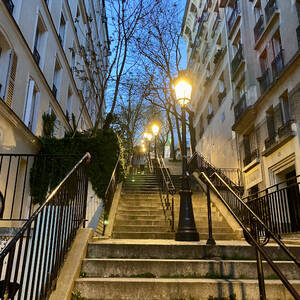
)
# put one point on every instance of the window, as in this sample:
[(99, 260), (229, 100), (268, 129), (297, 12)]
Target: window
[(31, 106), (56, 79), (8, 65), (39, 41), (285, 108), (62, 29), (270, 122), (69, 105), (276, 46)]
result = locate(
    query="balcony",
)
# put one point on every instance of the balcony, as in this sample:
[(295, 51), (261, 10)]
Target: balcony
[(235, 15), (264, 81), (270, 9), (219, 56), (241, 107), (259, 28), (277, 64), (209, 117), (286, 129), (298, 35), (54, 91), (237, 60), (10, 6), (250, 157), (270, 141), (36, 55)]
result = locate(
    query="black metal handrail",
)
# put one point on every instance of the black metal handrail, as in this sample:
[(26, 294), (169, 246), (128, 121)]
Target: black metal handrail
[(24, 174), (198, 161), (237, 60), (167, 190), (109, 195), (251, 235), (30, 263)]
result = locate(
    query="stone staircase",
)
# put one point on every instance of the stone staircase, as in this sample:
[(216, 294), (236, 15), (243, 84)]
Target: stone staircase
[(139, 269), (142, 261)]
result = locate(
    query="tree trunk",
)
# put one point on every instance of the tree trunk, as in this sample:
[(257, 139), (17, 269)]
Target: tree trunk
[(172, 146)]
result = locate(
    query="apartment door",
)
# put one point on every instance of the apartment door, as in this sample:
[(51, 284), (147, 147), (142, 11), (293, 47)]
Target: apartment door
[(293, 196)]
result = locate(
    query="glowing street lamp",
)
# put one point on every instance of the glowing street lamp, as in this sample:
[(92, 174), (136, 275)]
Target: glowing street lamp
[(155, 130), (186, 230)]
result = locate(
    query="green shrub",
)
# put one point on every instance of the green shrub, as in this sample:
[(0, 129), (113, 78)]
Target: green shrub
[(104, 148)]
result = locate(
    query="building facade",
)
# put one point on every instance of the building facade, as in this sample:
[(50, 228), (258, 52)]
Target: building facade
[(249, 51), (44, 69)]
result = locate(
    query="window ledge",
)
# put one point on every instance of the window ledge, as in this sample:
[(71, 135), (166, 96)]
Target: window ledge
[(251, 165)]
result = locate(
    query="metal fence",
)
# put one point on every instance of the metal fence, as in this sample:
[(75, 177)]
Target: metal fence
[(30, 263)]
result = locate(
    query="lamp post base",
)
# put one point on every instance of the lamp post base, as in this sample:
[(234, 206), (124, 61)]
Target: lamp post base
[(186, 228)]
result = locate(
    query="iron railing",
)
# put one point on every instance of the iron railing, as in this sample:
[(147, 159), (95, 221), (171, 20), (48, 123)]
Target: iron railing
[(270, 9), (167, 190), (25, 179), (10, 6), (285, 129), (241, 107), (259, 28), (256, 231), (264, 81), (237, 60), (30, 263), (109, 196), (250, 157), (232, 177), (36, 55), (277, 64)]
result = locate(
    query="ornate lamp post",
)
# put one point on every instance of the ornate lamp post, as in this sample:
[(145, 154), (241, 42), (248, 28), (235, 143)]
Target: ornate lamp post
[(186, 230), (155, 130)]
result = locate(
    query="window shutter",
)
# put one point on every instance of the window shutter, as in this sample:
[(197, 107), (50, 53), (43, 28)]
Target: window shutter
[(11, 81)]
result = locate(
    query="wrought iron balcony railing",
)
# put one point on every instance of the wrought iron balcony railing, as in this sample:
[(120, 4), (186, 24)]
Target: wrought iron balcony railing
[(241, 107), (54, 91), (286, 129), (10, 6), (298, 35), (36, 55), (259, 28), (270, 9), (233, 17), (264, 81), (238, 58), (270, 141), (250, 157), (277, 64)]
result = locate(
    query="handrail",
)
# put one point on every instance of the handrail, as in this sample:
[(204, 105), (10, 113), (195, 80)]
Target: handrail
[(108, 197), (270, 187), (52, 228), (166, 188), (253, 240), (284, 248)]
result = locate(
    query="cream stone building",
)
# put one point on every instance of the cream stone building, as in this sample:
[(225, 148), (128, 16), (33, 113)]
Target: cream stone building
[(43, 70), (250, 50), (40, 44)]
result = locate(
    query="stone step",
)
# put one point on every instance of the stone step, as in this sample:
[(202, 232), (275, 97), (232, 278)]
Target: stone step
[(183, 268), (170, 236), (139, 192), (123, 205), (140, 222), (198, 289), (141, 228), (186, 250), (152, 212), (153, 218), (143, 235)]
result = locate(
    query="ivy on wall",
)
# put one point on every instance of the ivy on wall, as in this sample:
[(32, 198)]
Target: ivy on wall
[(48, 171)]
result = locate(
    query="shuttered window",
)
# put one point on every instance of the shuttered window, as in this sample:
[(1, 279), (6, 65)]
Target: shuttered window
[(11, 79)]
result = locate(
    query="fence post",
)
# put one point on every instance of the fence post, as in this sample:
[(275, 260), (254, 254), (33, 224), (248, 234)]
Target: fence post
[(210, 240)]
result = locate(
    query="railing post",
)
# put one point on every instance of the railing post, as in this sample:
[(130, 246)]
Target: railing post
[(210, 240), (260, 275)]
